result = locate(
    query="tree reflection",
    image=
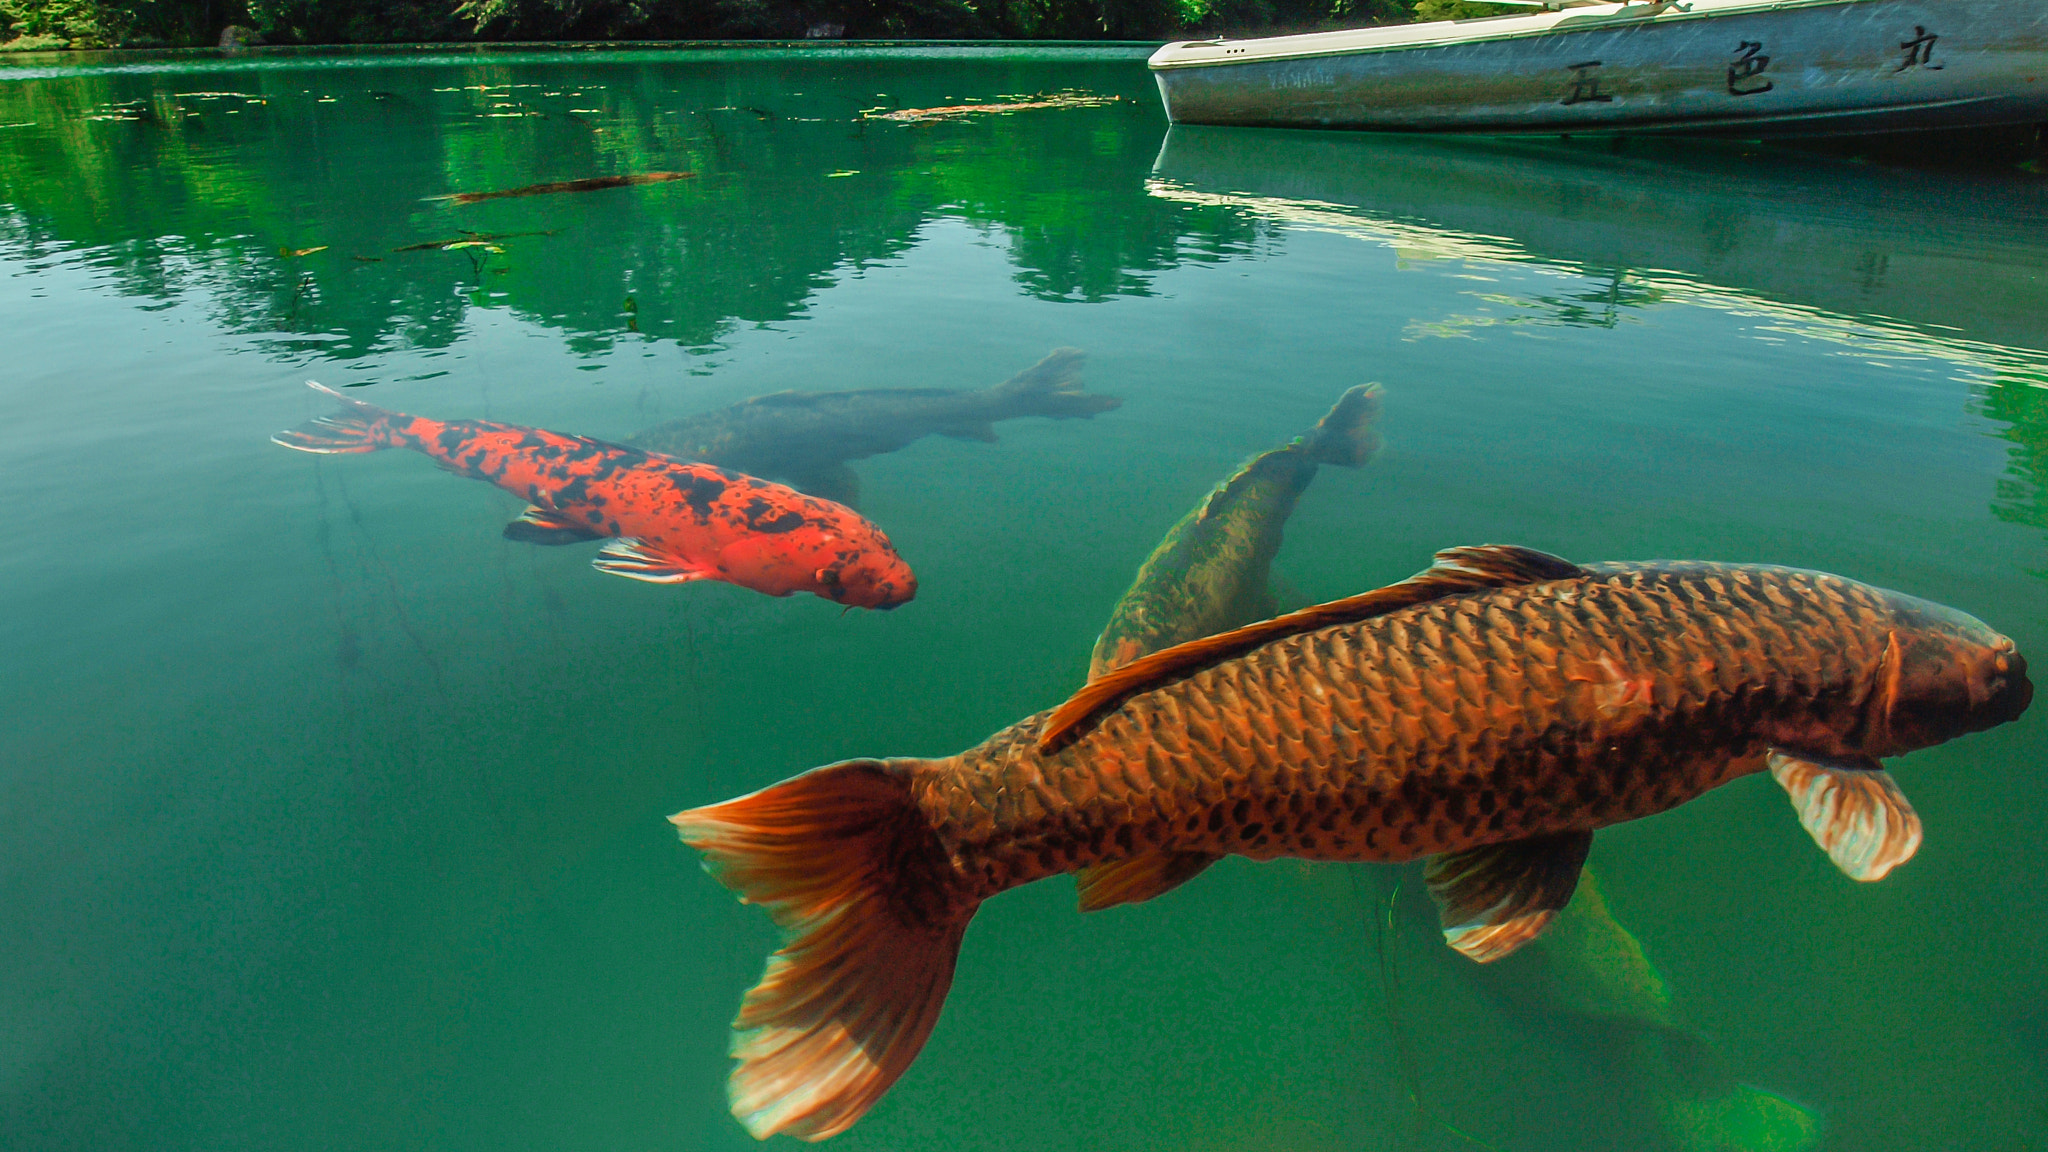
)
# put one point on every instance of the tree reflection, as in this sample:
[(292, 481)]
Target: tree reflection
[(296, 206), (2018, 400)]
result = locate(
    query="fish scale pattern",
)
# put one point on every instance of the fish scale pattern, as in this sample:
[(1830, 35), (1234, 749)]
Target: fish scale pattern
[(1481, 717)]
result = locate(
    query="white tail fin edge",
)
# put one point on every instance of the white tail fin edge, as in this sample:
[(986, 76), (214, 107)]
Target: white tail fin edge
[(843, 860), (358, 427)]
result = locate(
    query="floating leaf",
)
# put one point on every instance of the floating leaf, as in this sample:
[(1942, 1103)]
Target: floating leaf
[(958, 111)]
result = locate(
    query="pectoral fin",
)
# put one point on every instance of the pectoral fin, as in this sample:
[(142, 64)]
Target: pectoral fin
[(1497, 898), (630, 558), (1852, 809), (1138, 878), (539, 526)]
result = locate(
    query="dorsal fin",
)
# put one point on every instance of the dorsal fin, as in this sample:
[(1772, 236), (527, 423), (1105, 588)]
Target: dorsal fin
[(1455, 571)]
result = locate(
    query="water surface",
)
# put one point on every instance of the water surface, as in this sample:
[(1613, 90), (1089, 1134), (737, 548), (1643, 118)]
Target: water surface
[(336, 818)]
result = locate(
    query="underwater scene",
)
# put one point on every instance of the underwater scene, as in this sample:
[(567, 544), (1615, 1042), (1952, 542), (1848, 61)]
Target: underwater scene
[(852, 407)]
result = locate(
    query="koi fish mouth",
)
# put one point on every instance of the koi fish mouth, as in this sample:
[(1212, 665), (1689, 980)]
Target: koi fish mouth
[(1949, 676), (2016, 691), (889, 597), (858, 587)]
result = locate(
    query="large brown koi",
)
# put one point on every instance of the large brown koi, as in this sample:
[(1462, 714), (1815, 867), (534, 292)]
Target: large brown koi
[(1488, 713)]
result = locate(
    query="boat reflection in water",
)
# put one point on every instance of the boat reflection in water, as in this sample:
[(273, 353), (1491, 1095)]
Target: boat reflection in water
[(1947, 265), (1953, 262), (1891, 262)]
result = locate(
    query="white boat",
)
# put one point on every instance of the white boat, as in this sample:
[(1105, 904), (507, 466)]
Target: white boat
[(1748, 67)]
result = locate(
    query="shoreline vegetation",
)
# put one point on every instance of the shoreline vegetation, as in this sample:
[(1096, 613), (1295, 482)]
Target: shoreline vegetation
[(76, 25)]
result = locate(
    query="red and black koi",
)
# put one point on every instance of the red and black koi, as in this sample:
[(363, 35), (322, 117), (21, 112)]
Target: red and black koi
[(670, 521)]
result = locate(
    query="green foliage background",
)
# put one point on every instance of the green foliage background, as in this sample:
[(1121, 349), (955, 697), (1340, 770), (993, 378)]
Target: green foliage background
[(31, 25)]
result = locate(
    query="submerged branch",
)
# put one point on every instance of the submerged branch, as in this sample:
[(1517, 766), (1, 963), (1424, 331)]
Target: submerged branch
[(587, 184)]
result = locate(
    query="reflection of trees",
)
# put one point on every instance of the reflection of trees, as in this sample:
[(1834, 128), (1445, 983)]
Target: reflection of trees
[(1068, 192), (2019, 401), (177, 193)]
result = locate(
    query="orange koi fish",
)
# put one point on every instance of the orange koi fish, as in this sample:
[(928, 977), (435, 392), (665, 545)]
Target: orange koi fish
[(1488, 714), (670, 521)]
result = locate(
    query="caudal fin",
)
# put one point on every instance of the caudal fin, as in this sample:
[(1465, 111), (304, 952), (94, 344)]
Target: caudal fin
[(358, 427), (1052, 387), (1349, 433), (844, 861)]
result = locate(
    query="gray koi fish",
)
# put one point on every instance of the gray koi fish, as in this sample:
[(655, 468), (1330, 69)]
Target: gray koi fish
[(806, 438)]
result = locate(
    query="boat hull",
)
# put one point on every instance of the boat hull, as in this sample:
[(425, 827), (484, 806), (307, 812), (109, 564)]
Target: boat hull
[(1791, 68)]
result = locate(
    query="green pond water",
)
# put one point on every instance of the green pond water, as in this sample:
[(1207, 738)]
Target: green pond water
[(335, 820)]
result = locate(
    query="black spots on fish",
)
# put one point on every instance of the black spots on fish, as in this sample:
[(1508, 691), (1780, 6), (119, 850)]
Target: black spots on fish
[(618, 457), (573, 491), (1251, 831), (1215, 819), (1240, 812), (1417, 797), (613, 527), (1454, 808), (1590, 788), (1123, 837), (452, 438), (756, 512), (594, 516), (698, 491), (1095, 843)]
